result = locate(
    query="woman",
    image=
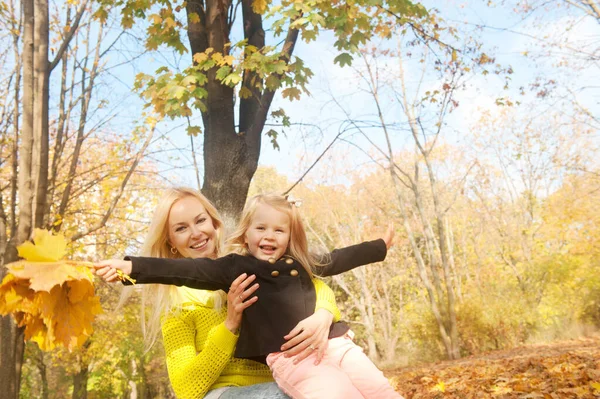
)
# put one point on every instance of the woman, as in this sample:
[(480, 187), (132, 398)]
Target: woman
[(199, 331)]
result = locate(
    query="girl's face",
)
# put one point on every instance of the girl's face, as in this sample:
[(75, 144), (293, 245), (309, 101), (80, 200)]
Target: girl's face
[(268, 235), (191, 229)]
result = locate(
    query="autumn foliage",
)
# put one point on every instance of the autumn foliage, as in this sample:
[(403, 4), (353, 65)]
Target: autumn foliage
[(53, 298), (567, 369)]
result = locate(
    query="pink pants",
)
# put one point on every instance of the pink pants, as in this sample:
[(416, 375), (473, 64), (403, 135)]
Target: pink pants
[(344, 373)]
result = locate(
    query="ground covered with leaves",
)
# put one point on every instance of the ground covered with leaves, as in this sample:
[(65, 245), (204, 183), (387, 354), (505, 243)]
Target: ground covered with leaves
[(566, 369)]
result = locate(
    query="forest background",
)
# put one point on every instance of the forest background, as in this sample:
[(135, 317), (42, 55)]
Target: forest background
[(472, 126)]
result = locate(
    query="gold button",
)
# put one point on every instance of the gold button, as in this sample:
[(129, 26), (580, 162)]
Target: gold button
[(293, 272), (272, 261), (289, 261), (275, 273)]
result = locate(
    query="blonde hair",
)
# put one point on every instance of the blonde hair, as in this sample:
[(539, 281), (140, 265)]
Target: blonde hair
[(158, 298), (298, 245)]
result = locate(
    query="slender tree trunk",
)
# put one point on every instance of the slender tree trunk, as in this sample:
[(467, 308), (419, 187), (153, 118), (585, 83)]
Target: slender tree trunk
[(80, 381), (11, 337), (15, 149), (33, 172), (143, 385), (41, 98), (41, 366), (441, 302)]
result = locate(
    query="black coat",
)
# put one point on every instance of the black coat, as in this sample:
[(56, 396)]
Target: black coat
[(286, 293)]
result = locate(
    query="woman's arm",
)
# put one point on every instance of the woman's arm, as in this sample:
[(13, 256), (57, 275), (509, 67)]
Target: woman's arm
[(192, 373), (326, 299)]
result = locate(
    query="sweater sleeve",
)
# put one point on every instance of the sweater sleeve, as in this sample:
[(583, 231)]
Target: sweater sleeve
[(348, 258), (192, 373), (326, 299), (199, 273)]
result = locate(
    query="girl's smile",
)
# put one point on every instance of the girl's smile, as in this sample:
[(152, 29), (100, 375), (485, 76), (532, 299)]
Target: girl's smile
[(268, 235)]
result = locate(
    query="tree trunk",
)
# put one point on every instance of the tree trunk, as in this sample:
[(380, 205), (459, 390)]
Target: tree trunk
[(41, 366), (41, 97), (227, 171), (230, 156), (143, 385), (80, 383), (11, 337), (33, 173)]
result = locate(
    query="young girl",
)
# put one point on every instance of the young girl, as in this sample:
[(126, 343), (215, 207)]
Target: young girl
[(271, 244)]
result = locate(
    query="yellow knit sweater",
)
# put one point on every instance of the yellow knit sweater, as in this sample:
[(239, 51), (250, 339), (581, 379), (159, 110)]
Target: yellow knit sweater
[(199, 348)]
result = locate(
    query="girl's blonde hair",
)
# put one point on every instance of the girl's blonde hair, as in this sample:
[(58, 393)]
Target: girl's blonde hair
[(159, 298), (298, 245)]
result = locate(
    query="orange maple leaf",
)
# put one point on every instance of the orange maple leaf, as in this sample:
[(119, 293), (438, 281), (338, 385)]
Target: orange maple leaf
[(54, 299)]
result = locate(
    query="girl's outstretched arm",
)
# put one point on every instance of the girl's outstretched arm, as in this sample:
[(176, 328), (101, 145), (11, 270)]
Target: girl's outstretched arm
[(348, 258), (200, 273)]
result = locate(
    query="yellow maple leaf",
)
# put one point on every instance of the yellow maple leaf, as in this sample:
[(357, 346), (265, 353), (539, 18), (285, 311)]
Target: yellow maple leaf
[(14, 294), (45, 275), (47, 247), (52, 298)]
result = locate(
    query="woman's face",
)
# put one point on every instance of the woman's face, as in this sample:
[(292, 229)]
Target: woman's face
[(191, 229)]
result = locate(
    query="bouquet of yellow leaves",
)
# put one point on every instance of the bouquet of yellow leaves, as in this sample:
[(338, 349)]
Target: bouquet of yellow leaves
[(54, 299)]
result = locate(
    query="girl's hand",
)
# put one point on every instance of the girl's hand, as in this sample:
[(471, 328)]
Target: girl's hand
[(388, 237), (236, 300), (107, 269), (310, 335)]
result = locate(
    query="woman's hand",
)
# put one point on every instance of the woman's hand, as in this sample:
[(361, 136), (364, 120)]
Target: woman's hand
[(107, 269), (238, 293), (310, 335)]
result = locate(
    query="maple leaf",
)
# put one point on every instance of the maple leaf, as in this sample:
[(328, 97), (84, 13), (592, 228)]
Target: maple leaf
[(47, 247), (52, 298), (45, 275)]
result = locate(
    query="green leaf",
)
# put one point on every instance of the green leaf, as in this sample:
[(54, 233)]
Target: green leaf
[(200, 92), (194, 17), (232, 79), (201, 79), (273, 82), (177, 92), (309, 35), (273, 135), (343, 59), (280, 114), (245, 92), (193, 130), (223, 72), (280, 67), (188, 80)]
